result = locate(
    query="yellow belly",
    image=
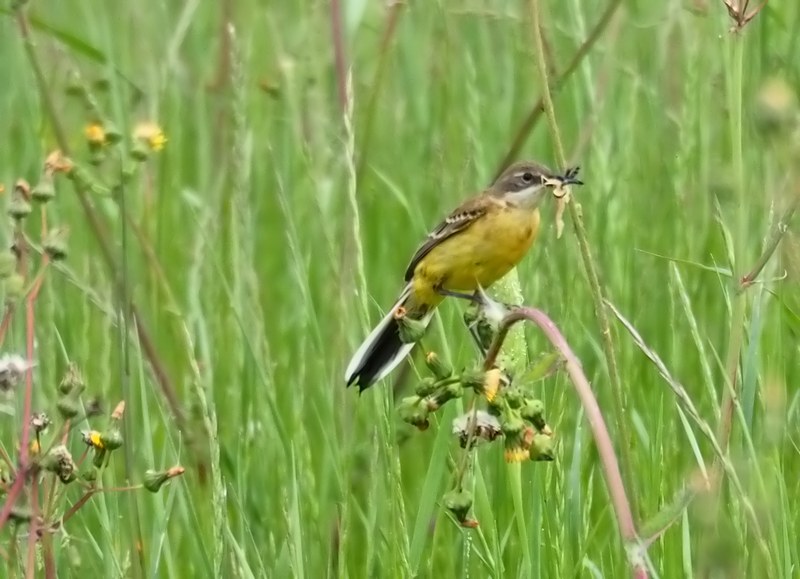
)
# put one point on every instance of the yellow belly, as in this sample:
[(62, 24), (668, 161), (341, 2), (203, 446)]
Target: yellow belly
[(478, 256)]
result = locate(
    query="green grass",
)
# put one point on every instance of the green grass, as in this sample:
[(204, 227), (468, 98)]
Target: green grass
[(261, 245)]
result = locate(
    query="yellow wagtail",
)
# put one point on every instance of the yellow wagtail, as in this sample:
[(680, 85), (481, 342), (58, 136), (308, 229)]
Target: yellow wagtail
[(476, 245)]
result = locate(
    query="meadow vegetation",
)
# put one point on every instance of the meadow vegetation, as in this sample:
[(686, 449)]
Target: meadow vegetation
[(210, 203)]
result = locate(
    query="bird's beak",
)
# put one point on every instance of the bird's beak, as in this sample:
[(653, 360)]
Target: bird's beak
[(570, 177)]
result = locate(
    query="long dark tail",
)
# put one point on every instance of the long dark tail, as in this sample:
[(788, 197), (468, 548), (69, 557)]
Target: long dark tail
[(382, 350)]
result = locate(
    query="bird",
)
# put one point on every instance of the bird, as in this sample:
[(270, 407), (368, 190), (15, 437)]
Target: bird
[(474, 246)]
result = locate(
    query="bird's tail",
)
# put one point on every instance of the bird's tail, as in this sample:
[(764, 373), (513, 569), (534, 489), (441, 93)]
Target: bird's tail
[(383, 350)]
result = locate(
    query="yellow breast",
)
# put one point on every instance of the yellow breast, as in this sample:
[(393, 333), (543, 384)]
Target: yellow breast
[(479, 255)]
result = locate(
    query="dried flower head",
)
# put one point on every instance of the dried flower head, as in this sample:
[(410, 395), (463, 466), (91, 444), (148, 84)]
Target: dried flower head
[(486, 427), (59, 460), (119, 411), (40, 422), (12, 368), (56, 162)]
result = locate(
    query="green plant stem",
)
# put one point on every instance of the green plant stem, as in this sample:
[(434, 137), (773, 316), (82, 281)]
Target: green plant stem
[(558, 81), (774, 240), (605, 449), (123, 297), (589, 264), (515, 484), (739, 306)]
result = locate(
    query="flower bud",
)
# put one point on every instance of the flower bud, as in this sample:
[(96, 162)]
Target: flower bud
[(514, 397), (153, 481), (533, 412), (72, 380), (55, 244), (97, 154), (139, 151), (411, 330), (447, 393), (426, 387), (437, 366), (511, 423), (111, 439), (113, 135), (414, 411), (542, 447), (19, 208), (75, 87), (459, 503), (44, 190), (474, 379)]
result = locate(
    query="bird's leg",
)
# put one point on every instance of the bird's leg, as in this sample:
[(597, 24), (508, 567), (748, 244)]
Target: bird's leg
[(474, 297)]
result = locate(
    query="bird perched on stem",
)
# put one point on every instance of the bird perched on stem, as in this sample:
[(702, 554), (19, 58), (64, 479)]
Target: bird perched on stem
[(476, 245)]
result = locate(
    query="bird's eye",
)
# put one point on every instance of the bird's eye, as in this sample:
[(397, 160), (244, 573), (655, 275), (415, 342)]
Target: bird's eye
[(527, 177)]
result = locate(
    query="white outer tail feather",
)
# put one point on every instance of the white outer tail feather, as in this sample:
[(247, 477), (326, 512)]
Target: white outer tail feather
[(366, 346)]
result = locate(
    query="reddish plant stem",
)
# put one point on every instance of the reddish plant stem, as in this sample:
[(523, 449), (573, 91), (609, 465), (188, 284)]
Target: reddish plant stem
[(78, 504), (47, 555), (605, 448), (30, 329), (13, 495), (33, 529)]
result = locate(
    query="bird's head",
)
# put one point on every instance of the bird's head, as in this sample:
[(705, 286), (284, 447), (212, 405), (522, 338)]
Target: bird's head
[(525, 183)]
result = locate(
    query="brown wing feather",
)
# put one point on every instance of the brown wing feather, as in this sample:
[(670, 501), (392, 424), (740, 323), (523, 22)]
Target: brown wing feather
[(459, 220)]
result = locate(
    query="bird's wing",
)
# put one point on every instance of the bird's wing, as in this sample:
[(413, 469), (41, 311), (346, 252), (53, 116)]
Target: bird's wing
[(460, 219)]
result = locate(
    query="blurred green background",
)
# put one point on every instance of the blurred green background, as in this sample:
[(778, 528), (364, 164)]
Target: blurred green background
[(273, 229)]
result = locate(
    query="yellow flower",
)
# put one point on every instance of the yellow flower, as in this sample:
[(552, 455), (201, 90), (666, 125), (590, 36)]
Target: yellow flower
[(516, 454), (491, 384), (94, 439), (151, 134), (95, 133)]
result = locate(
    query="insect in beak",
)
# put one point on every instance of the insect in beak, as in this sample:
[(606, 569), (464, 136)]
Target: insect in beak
[(558, 182)]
